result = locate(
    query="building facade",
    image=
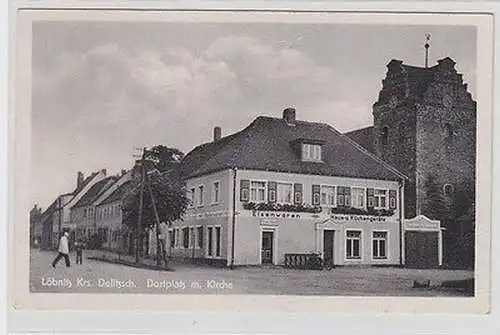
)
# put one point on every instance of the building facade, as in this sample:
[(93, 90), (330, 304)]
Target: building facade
[(425, 126), (83, 212), (56, 219), (282, 187), (108, 231)]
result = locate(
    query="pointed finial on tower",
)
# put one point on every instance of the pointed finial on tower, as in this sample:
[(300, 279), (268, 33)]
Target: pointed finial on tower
[(427, 45)]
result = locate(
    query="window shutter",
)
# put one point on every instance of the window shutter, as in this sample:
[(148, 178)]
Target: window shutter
[(392, 199), (244, 190), (297, 194), (271, 191), (347, 196), (315, 195), (370, 196)]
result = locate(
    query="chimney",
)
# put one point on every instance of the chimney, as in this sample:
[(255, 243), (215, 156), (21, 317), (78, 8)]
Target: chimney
[(79, 179), (217, 133), (289, 115), (104, 172), (123, 171)]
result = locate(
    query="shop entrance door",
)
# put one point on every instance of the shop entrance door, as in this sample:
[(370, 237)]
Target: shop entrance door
[(267, 247), (328, 244)]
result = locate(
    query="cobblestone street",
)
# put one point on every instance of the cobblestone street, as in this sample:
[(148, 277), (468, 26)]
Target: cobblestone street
[(95, 276)]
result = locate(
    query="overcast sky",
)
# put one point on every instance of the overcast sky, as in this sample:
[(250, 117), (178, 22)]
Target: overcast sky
[(102, 89)]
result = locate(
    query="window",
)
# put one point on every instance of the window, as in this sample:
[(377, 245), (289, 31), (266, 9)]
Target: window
[(217, 241), (447, 189), (380, 244), (177, 238), (353, 244), (200, 195), (358, 197), (190, 196), (171, 237), (284, 193), (210, 241), (385, 135), (216, 192), (328, 195), (311, 152), (191, 237), (185, 237), (343, 196), (200, 237), (257, 191), (380, 199)]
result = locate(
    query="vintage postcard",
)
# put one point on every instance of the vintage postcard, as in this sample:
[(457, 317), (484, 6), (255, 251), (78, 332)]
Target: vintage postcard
[(282, 161)]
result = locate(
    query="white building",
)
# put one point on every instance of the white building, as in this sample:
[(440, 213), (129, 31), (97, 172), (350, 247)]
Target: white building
[(283, 186)]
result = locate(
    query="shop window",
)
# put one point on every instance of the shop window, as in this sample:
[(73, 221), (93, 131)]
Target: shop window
[(380, 199), (217, 241), (284, 193), (353, 244), (209, 241), (328, 195), (258, 191), (379, 245)]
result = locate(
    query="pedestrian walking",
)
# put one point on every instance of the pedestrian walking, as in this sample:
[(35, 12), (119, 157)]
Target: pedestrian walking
[(79, 251), (63, 251)]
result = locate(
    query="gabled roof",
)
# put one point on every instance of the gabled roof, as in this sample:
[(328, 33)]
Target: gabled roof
[(95, 191), (86, 181), (266, 145), (363, 137), (118, 193)]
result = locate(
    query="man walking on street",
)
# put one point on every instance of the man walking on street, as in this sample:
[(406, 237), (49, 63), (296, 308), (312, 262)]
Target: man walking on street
[(63, 251), (79, 251)]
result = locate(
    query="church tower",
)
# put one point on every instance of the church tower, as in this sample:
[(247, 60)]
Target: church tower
[(425, 126)]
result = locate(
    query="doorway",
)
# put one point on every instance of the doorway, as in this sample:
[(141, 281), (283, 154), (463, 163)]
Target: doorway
[(328, 245), (267, 247)]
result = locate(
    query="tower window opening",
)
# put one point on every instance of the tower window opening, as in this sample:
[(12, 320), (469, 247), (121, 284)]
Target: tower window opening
[(385, 135), (447, 189)]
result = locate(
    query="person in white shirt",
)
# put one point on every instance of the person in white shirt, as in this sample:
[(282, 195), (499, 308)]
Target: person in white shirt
[(63, 251)]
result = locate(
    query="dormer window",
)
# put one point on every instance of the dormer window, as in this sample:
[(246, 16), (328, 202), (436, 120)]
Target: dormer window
[(311, 152)]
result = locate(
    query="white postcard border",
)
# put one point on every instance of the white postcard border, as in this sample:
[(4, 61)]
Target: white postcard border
[(19, 192)]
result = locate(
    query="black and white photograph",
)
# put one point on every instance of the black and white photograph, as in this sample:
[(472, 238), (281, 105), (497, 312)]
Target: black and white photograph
[(271, 154)]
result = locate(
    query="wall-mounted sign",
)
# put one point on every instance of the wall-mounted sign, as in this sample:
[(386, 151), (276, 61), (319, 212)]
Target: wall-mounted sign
[(358, 218), (269, 214)]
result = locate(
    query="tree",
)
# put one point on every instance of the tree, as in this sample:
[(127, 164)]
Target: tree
[(158, 190), (164, 158)]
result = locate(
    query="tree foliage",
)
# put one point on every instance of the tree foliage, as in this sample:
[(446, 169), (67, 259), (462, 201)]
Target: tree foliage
[(161, 174)]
